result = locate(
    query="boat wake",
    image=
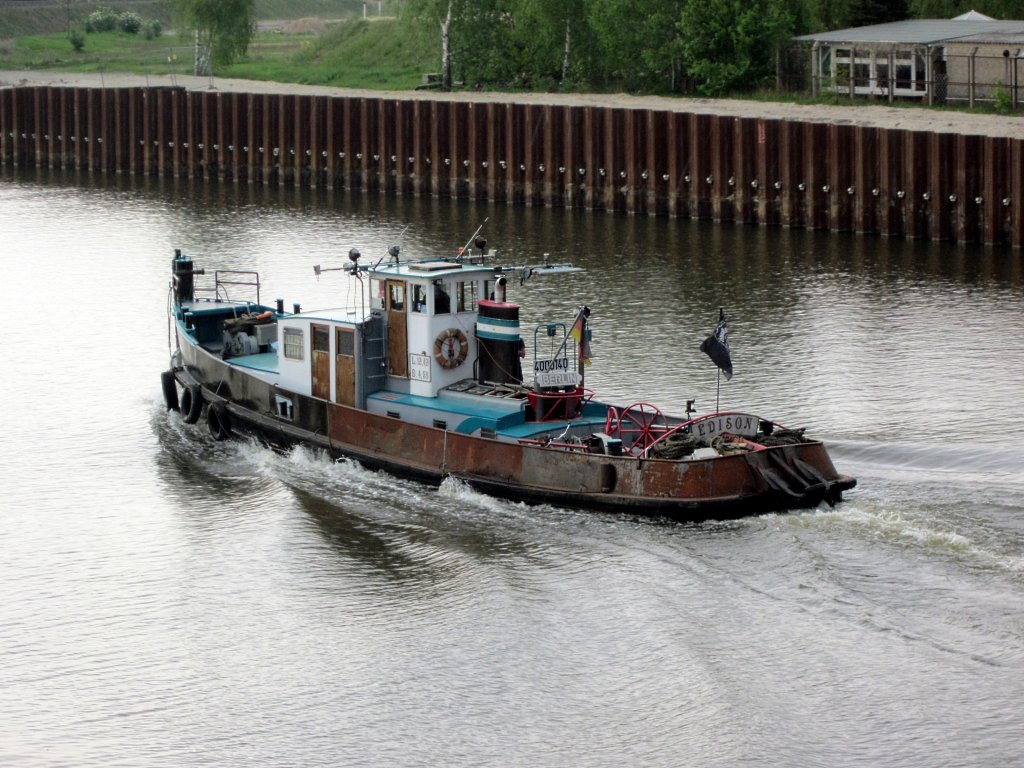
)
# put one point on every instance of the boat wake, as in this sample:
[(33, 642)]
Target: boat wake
[(965, 460), (955, 502), (460, 491), (950, 503), (351, 487), (193, 462), (969, 541)]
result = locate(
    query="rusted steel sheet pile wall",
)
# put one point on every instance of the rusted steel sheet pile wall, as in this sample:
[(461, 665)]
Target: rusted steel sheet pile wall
[(898, 183)]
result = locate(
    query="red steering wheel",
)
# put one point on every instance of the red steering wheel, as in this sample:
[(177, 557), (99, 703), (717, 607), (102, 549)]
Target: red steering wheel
[(611, 422), (638, 425)]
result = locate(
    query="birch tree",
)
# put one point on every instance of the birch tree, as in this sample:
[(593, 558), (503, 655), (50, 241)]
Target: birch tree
[(223, 29)]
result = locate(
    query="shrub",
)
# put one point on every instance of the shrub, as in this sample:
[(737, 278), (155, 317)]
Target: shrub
[(77, 38), (1003, 100), (129, 22), (152, 29), (103, 19)]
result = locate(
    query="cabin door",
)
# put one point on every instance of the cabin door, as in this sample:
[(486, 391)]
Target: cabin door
[(345, 366), (321, 362), (398, 344)]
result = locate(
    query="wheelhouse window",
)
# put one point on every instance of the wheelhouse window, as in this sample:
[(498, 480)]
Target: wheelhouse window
[(442, 301), (465, 296), (292, 340), (419, 298), (376, 293), (396, 297)]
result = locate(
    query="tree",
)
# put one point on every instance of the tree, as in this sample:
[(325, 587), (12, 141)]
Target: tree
[(864, 13), (731, 44), (223, 29), (446, 49), (487, 41), (553, 36), (638, 43), (438, 12), (465, 27)]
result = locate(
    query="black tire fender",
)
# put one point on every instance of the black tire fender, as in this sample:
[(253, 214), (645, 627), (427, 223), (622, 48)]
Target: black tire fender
[(170, 390), (191, 404), (219, 421)]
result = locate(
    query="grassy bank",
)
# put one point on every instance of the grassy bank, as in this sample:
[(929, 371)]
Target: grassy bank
[(379, 53), (324, 9), (358, 53), (43, 17)]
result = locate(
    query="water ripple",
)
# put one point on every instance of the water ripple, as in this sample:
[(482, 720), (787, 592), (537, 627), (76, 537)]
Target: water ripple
[(171, 600)]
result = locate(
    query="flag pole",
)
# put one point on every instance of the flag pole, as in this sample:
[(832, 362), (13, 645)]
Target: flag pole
[(716, 346), (566, 339)]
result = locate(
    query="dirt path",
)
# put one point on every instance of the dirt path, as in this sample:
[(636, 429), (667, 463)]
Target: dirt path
[(908, 118)]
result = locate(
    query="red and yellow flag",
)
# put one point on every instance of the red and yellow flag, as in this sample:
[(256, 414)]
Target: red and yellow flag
[(579, 335)]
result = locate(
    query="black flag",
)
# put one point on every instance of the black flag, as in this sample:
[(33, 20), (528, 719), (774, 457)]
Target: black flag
[(716, 346)]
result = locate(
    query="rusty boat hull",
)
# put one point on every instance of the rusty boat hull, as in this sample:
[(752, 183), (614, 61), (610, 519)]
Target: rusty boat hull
[(757, 482)]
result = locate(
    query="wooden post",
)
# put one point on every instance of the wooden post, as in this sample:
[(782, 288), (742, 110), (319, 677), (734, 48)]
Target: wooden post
[(587, 174), (1014, 200), (495, 152), (767, 199), (744, 189), (939, 208), (817, 185), (700, 180)]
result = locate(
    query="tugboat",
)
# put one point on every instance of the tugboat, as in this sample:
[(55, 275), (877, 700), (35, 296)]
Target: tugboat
[(424, 379)]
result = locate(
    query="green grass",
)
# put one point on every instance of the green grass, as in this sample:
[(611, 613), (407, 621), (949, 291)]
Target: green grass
[(381, 53), (353, 54), (836, 99), (46, 18), (18, 20), (106, 51), (324, 9)]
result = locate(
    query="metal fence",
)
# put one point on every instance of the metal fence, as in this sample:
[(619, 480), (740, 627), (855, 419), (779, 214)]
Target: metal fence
[(923, 75)]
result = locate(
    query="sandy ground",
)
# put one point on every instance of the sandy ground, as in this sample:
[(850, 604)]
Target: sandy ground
[(907, 118)]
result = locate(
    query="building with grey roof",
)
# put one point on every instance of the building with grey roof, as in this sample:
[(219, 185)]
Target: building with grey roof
[(967, 59)]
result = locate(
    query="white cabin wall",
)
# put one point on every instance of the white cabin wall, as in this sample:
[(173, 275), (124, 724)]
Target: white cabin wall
[(423, 330), (296, 375)]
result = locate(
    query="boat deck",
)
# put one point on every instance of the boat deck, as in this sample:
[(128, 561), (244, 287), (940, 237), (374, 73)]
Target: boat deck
[(264, 361), (466, 408), (477, 408)]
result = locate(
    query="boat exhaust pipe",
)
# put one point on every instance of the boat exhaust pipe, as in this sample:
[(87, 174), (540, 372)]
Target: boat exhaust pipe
[(497, 333), (183, 277)]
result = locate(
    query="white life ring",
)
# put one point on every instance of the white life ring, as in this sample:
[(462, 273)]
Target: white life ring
[(450, 348)]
